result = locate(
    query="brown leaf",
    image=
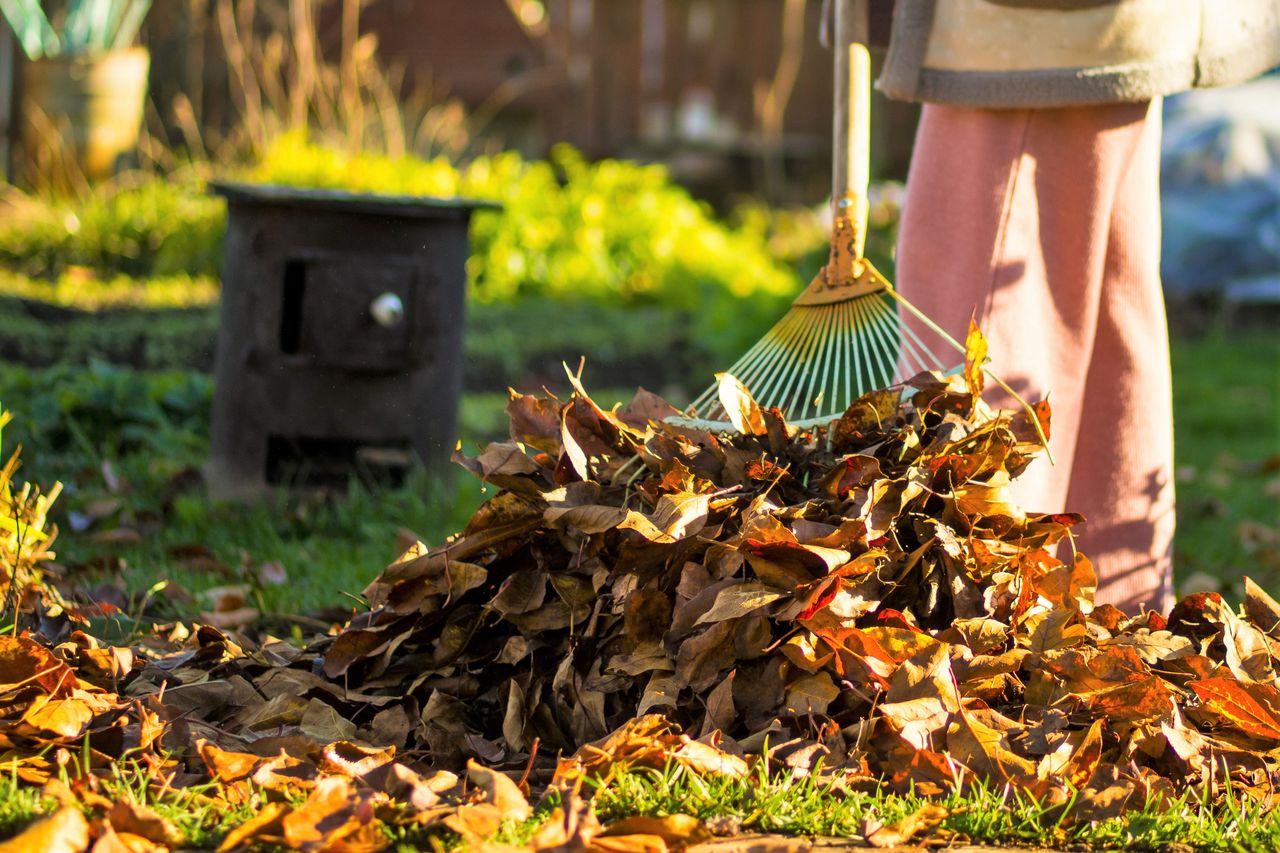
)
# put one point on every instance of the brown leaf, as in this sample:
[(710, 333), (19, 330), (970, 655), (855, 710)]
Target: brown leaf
[(136, 819), (873, 412), (811, 694), (111, 841), (704, 656), (64, 717), (65, 831), (475, 822), (344, 757), (225, 766), (923, 819), (709, 760), (1261, 608), (500, 791), (522, 592), (721, 712), (739, 406), (535, 421), (25, 662), (331, 813), (738, 600), (1050, 630), (269, 821), (982, 742)]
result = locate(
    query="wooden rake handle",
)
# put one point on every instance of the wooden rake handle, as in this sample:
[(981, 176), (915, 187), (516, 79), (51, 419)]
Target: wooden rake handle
[(846, 275), (851, 112)]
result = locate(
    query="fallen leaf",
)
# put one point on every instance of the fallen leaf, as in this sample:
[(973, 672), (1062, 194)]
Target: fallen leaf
[(65, 831), (923, 819)]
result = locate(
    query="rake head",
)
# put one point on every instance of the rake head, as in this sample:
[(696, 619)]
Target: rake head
[(835, 344)]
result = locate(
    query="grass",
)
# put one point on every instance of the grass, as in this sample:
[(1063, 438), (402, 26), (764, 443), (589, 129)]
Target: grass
[(19, 805), (980, 814), (202, 820), (1227, 435), (764, 802)]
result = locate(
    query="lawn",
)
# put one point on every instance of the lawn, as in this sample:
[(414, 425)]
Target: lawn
[(1227, 421), (680, 805)]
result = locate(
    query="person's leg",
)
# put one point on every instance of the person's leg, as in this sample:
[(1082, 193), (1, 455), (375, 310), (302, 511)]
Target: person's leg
[(1008, 214), (1123, 477)]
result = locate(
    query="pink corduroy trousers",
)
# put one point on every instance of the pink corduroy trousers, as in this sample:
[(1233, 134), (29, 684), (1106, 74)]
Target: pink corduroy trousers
[(1046, 225)]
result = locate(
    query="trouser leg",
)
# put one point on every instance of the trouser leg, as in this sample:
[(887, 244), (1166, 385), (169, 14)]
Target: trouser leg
[(1009, 216), (1123, 472)]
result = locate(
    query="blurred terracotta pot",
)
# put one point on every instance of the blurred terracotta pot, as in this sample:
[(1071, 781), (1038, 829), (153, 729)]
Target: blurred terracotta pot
[(88, 111)]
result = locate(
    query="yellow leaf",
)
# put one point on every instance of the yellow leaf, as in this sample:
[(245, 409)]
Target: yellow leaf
[(65, 717), (975, 354), (66, 831)]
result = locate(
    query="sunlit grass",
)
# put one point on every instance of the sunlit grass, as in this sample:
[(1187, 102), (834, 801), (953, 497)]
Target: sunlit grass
[(980, 814), (1227, 443)]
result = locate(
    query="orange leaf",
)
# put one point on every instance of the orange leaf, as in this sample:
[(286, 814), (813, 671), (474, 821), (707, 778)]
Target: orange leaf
[(1235, 703), (226, 766), (65, 717), (66, 831), (24, 661), (922, 819), (499, 790), (267, 821), (331, 813), (135, 819)]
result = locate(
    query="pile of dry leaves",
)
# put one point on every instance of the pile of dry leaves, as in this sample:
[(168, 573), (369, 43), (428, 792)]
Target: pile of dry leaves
[(863, 597)]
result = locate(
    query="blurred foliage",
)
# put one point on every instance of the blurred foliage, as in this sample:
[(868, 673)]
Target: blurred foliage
[(611, 232), (106, 410), (155, 340), (83, 289), (797, 236), (148, 227)]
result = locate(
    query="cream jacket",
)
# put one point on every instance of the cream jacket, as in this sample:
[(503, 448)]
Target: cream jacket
[(1050, 53)]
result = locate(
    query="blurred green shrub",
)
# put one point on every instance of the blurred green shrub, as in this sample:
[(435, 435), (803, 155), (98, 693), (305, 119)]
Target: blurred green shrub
[(799, 236), (84, 290), (106, 410), (152, 339), (154, 226)]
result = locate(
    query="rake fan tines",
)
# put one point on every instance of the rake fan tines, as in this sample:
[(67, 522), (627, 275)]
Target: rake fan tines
[(818, 359)]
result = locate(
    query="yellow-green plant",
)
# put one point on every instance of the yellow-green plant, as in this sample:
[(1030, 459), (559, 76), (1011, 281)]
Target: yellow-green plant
[(25, 532)]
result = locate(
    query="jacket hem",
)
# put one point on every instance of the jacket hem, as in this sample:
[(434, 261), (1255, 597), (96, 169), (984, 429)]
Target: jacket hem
[(1050, 88), (1228, 69)]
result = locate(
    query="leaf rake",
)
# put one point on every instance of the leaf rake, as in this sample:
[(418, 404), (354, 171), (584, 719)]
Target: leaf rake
[(843, 335)]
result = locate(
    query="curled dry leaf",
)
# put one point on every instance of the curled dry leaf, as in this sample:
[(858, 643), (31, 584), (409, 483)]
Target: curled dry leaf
[(923, 819)]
